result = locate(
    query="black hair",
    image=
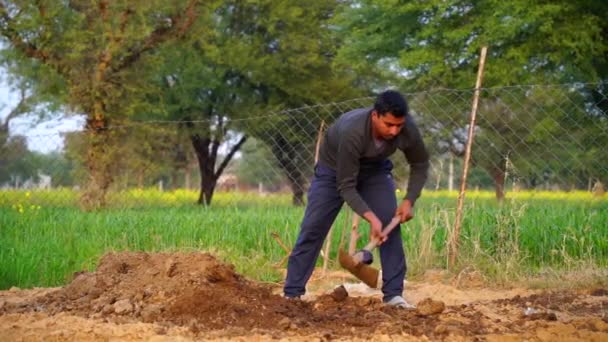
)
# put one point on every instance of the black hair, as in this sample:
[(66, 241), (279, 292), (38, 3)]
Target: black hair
[(392, 102)]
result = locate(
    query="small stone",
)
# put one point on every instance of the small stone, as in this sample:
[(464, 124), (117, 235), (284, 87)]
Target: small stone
[(170, 267), (123, 306), (339, 294), (428, 307), (14, 288)]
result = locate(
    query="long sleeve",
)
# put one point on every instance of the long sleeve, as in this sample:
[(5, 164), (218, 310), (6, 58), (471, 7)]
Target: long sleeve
[(417, 157), (347, 171)]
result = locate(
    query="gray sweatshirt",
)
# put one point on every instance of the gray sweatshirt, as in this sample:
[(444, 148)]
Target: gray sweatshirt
[(348, 143)]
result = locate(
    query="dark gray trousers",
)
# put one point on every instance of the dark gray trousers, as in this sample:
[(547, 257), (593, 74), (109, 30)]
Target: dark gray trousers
[(376, 186)]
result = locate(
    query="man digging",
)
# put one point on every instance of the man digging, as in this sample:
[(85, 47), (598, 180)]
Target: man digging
[(354, 167)]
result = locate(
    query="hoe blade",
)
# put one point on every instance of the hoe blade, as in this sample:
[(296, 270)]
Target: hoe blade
[(365, 273)]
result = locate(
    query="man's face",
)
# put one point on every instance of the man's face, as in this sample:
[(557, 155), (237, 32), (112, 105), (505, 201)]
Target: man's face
[(387, 126)]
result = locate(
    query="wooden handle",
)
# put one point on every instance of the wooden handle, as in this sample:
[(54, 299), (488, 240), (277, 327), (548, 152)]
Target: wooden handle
[(387, 230)]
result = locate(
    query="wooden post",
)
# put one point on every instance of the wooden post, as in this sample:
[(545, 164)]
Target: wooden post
[(327, 248), (349, 213), (319, 139), (354, 234), (454, 241)]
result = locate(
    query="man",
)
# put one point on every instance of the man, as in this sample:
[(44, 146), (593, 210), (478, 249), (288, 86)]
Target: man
[(354, 167)]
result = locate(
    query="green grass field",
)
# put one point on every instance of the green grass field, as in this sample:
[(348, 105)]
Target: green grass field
[(45, 238)]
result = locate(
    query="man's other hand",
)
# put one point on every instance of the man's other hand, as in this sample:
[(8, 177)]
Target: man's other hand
[(405, 212), (375, 227)]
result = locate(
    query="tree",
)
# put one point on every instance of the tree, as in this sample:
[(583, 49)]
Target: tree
[(203, 95), (285, 52), (258, 57), (100, 49), (435, 44), (13, 160)]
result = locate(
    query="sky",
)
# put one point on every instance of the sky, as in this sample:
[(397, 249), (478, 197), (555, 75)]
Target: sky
[(42, 136)]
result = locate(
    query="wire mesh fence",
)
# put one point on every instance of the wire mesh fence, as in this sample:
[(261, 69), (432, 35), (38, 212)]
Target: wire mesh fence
[(538, 137)]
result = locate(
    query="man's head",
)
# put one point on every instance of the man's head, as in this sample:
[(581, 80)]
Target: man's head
[(388, 115)]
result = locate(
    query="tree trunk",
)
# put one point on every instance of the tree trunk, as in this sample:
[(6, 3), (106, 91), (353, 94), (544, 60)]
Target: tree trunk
[(499, 183), (206, 166), (206, 153), (298, 193), (286, 155), (98, 162)]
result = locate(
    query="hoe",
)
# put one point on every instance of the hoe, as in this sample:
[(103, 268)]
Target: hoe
[(358, 263)]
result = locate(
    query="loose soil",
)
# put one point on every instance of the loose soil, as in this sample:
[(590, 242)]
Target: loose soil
[(194, 296)]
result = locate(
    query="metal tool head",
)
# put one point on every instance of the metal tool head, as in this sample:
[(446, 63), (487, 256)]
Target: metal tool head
[(363, 272)]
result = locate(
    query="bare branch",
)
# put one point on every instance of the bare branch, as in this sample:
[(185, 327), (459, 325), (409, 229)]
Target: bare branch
[(229, 156), (216, 141), (179, 26), (20, 108)]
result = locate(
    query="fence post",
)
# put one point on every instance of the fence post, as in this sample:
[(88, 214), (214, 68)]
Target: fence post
[(454, 241)]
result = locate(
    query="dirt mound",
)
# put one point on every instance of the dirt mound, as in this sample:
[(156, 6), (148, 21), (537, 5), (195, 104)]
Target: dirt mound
[(177, 288), (196, 292)]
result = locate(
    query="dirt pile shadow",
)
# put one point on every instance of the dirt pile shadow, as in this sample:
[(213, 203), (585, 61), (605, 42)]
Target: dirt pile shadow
[(197, 291)]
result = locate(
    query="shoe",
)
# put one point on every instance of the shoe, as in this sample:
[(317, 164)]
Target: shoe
[(294, 298), (399, 302)]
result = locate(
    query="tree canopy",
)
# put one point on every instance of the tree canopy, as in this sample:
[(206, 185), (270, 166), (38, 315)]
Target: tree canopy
[(436, 43)]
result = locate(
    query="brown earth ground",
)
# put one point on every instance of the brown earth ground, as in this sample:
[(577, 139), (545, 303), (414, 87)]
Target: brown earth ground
[(193, 296)]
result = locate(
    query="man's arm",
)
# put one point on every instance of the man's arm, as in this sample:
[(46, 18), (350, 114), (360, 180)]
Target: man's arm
[(418, 158)]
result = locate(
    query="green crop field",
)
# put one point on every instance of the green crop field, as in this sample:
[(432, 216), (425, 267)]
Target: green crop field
[(45, 237)]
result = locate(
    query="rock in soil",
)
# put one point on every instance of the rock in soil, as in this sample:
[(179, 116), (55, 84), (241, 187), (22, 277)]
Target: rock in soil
[(339, 294), (123, 307), (428, 307)]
